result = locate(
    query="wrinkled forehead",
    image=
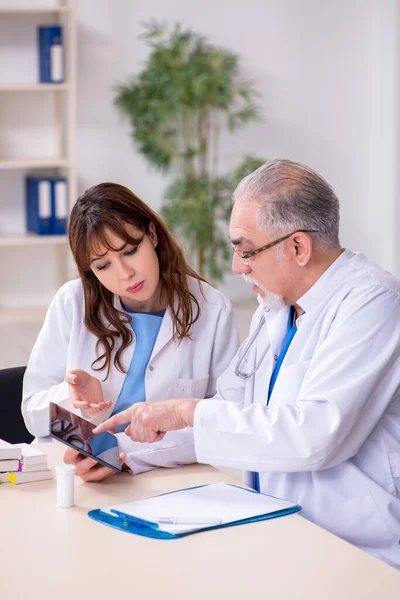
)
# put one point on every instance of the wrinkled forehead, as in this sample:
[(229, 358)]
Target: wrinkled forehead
[(243, 221)]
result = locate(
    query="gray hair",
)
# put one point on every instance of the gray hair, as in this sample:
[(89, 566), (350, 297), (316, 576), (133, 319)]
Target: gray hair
[(292, 196)]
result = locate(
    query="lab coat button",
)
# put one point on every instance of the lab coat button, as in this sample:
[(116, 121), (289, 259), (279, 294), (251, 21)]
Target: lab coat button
[(275, 357), (151, 368)]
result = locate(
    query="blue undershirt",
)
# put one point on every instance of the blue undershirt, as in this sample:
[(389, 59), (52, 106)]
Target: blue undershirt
[(291, 329), (290, 333), (146, 327)]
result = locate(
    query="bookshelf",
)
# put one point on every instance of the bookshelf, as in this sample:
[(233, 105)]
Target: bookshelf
[(30, 239), (34, 10), (33, 87), (34, 163), (26, 106)]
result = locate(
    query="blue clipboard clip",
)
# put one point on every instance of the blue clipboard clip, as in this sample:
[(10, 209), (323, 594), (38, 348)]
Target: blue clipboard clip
[(130, 520)]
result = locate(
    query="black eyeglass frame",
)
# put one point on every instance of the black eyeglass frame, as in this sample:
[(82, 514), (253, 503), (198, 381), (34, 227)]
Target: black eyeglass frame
[(246, 255)]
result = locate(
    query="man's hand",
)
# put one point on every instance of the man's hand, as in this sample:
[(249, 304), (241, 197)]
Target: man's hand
[(85, 391), (87, 468), (150, 421)]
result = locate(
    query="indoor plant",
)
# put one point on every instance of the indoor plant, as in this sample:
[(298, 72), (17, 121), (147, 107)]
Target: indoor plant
[(177, 106)]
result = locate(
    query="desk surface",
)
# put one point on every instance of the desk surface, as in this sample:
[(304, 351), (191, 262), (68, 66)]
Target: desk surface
[(60, 553)]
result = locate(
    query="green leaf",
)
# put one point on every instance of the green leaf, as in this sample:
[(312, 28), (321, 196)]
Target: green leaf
[(175, 106)]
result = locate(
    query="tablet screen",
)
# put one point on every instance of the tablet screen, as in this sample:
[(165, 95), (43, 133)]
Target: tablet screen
[(77, 432)]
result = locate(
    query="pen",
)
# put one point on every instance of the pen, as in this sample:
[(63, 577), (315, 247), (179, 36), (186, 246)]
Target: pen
[(130, 519), (187, 521)]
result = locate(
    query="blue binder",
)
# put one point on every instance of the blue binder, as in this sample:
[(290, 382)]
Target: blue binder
[(147, 528), (51, 55), (38, 205), (59, 205)]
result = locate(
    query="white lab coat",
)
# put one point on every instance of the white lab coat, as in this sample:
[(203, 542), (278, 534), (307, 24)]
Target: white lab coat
[(188, 369), (330, 436)]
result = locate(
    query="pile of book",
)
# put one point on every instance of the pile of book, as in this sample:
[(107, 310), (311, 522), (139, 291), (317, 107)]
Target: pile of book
[(22, 463)]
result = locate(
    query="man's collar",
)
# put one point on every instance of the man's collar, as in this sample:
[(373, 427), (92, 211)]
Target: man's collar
[(326, 282)]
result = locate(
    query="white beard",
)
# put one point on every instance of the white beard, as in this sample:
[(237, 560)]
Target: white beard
[(269, 299)]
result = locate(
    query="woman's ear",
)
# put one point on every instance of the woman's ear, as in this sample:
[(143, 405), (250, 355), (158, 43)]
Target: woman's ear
[(153, 235)]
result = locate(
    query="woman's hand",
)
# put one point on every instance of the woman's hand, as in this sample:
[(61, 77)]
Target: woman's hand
[(85, 391), (87, 468)]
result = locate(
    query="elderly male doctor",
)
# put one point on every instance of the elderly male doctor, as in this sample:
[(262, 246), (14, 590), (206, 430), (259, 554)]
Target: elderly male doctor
[(310, 405)]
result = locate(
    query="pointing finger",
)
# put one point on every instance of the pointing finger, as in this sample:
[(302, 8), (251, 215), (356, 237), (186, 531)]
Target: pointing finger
[(121, 418)]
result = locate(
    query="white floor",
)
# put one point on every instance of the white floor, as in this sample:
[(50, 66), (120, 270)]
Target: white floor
[(17, 335)]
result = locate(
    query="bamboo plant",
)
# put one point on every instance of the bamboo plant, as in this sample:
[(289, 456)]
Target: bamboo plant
[(188, 92)]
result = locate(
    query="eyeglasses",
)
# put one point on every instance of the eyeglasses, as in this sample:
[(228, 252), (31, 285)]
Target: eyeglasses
[(246, 255)]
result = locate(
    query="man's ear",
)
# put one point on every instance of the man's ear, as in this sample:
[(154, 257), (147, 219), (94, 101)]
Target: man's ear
[(302, 244), (153, 235)]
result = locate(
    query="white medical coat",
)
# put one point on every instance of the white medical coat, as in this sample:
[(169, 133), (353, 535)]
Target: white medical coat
[(330, 436), (175, 370)]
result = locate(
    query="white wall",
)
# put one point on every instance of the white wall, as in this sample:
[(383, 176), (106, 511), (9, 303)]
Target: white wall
[(328, 77)]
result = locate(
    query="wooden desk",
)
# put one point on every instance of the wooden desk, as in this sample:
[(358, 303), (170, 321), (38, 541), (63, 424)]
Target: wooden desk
[(48, 552)]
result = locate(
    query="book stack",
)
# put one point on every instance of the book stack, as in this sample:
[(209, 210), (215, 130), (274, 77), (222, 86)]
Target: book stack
[(9, 460), (22, 463)]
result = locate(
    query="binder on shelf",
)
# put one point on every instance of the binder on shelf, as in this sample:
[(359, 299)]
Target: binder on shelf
[(47, 205), (38, 205), (59, 206), (51, 54)]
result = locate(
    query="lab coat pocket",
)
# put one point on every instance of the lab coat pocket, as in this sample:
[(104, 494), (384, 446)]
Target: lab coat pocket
[(191, 388), (359, 521)]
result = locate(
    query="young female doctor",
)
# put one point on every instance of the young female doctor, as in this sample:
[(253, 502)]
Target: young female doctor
[(138, 325)]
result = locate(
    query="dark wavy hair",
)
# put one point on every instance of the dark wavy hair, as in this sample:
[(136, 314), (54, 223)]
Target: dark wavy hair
[(109, 206)]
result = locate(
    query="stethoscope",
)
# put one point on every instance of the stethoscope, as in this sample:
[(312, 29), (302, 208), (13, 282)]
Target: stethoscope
[(240, 373)]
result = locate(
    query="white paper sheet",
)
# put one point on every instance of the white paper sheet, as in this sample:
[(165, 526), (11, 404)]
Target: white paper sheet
[(209, 505)]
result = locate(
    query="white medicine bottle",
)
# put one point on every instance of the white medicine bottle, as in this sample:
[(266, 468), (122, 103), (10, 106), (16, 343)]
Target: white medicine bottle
[(65, 485)]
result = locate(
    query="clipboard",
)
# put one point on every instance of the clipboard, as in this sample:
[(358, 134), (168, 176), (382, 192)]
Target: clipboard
[(231, 505)]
